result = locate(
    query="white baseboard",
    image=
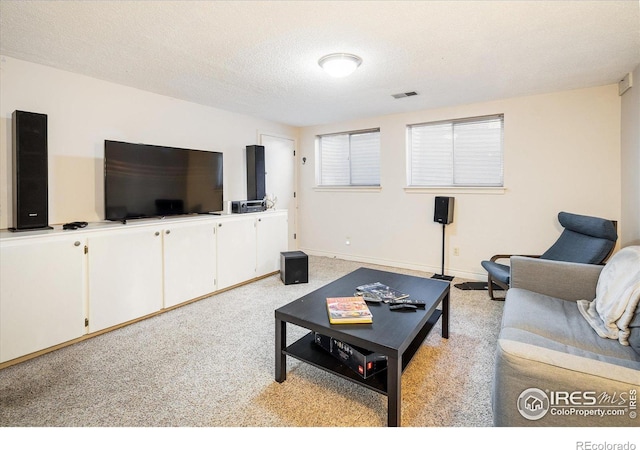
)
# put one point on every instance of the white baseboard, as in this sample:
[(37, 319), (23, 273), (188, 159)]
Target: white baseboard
[(399, 264)]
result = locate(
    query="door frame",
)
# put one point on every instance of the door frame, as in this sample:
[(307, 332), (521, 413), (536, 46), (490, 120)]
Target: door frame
[(260, 134)]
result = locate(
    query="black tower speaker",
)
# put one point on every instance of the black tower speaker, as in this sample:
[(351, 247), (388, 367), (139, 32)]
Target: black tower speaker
[(443, 211), (255, 172), (30, 172)]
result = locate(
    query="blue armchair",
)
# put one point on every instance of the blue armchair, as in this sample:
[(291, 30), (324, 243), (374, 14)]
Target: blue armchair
[(585, 239)]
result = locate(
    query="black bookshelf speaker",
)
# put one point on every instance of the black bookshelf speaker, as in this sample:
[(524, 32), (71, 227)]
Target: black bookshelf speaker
[(30, 171), (255, 172), (294, 267), (443, 210)]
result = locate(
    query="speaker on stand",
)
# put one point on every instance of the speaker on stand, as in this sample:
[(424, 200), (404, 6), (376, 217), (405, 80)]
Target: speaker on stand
[(30, 172), (443, 213)]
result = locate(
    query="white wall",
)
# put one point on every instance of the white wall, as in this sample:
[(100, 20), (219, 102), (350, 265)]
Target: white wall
[(630, 136), (562, 152), (83, 112)]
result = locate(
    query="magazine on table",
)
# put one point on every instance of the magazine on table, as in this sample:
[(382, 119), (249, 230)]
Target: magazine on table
[(380, 291), (348, 310)]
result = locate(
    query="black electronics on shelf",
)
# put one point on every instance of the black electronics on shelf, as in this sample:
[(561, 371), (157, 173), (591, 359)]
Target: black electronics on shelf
[(443, 213), (248, 206)]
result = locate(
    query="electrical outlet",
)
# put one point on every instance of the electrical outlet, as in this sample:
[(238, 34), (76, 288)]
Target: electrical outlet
[(456, 251)]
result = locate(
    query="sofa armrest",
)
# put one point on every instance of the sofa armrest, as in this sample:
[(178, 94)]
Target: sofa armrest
[(565, 280)]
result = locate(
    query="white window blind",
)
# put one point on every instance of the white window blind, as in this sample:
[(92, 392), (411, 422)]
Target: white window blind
[(349, 159), (466, 152)]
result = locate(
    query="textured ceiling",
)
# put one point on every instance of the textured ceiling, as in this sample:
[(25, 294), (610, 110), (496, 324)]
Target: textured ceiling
[(260, 58)]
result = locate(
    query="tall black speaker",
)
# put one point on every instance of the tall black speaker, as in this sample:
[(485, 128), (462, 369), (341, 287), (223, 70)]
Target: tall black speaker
[(443, 210), (30, 171), (255, 172)]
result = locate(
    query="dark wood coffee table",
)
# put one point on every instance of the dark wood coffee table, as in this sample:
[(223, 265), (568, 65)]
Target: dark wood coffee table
[(395, 334)]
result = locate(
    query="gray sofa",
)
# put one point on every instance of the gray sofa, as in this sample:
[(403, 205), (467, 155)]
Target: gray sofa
[(552, 369)]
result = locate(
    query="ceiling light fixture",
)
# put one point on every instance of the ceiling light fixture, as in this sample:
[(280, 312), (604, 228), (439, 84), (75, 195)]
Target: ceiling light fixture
[(340, 65)]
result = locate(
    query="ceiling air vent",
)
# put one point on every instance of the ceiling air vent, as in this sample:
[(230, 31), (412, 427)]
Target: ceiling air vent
[(405, 94)]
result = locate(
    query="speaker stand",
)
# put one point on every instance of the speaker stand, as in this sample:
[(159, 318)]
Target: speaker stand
[(441, 275)]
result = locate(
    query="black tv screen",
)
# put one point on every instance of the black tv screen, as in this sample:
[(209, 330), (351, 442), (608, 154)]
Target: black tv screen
[(153, 181)]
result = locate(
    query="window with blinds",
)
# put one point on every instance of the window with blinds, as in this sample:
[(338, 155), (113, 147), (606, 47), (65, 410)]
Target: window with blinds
[(460, 153), (349, 159)]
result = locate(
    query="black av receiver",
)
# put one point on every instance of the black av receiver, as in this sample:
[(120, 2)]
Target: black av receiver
[(248, 206)]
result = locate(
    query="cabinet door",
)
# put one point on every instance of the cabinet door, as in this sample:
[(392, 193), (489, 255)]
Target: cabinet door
[(236, 251), (189, 262), (271, 240), (42, 289), (125, 276)]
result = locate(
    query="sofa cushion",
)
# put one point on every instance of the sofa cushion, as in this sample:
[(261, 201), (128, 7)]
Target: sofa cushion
[(557, 325), (617, 296)]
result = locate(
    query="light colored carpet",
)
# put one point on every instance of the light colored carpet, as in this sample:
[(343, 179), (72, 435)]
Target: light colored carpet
[(211, 364)]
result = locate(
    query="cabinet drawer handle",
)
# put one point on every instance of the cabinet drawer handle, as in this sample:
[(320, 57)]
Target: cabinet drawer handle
[(168, 231), (76, 243), (157, 233)]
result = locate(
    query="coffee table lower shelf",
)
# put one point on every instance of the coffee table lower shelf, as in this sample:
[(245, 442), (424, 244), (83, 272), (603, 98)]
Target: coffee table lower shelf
[(305, 349)]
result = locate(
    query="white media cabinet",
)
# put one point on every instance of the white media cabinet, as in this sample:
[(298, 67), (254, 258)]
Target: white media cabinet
[(58, 286)]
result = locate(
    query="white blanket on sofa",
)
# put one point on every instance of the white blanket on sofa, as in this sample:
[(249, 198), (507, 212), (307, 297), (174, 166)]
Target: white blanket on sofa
[(617, 296)]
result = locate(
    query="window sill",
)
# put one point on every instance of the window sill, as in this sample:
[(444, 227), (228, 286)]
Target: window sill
[(347, 188), (456, 190)]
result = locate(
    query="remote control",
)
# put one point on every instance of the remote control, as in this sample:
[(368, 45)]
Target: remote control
[(402, 306), (408, 301)]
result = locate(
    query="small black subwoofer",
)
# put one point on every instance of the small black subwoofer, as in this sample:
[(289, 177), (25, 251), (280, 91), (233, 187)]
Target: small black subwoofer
[(294, 267), (30, 171), (443, 211)]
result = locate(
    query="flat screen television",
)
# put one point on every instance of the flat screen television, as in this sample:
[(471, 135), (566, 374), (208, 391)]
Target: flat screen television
[(152, 181)]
